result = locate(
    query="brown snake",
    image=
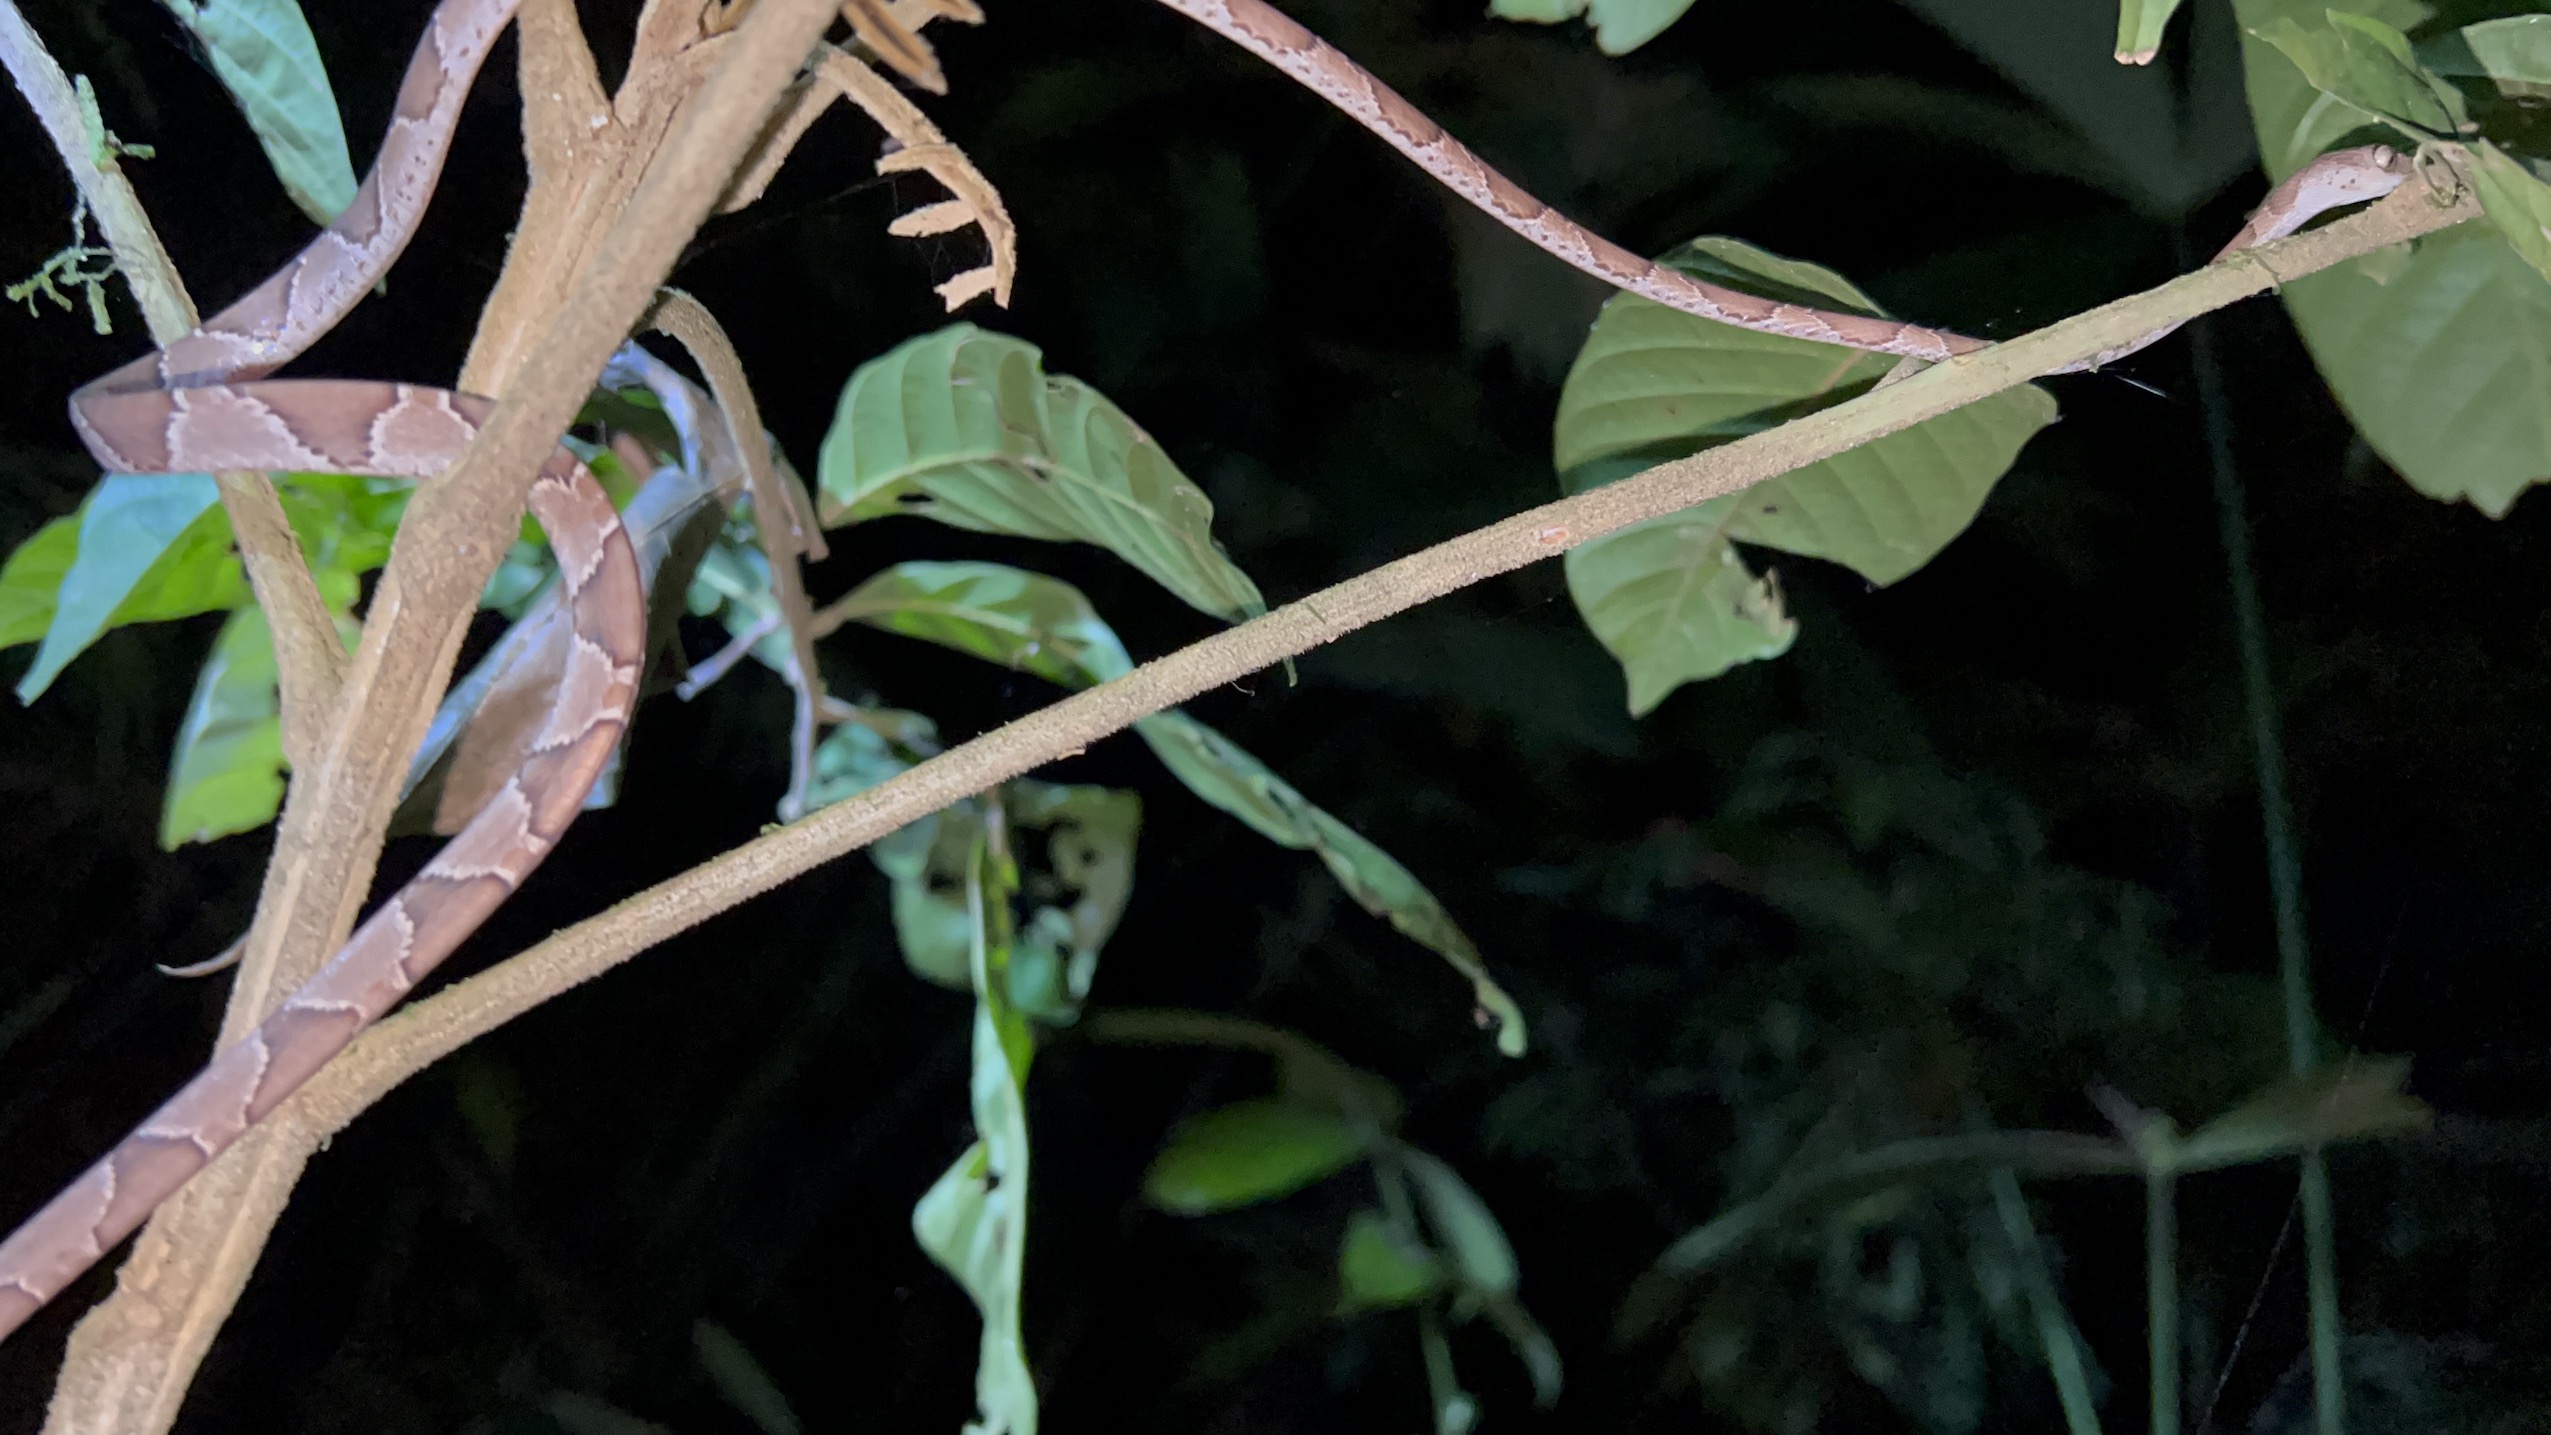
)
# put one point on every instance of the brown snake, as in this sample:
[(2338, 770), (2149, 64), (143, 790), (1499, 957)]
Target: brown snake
[(205, 402)]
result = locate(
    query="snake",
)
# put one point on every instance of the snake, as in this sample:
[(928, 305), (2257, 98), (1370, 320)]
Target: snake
[(206, 401)]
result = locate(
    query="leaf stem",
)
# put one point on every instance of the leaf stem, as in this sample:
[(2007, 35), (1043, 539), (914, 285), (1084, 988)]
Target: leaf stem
[(2161, 1295), (2285, 866)]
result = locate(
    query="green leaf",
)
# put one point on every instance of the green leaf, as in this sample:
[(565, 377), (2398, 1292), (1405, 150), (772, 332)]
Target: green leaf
[(263, 54), (2518, 202), (2514, 53), (1000, 614), (2436, 350), (1081, 889), (2440, 363), (973, 1220), (1223, 774), (1482, 1257), (345, 525), (1379, 1271), (2357, 1101), (30, 578), (1671, 599), (742, 1380), (151, 546), (1045, 626), (1537, 12), (1077, 892), (227, 775), (2367, 65), (966, 427), (2139, 27), (1621, 26), (1248, 1152)]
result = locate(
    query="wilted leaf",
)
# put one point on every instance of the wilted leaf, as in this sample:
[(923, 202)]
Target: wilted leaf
[(151, 546), (1671, 599), (2354, 1102), (2139, 27), (262, 52), (1248, 1152), (973, 1220), (1377, 1270), (742, 1380), (227, 774), (1080, 889), (966, 427)]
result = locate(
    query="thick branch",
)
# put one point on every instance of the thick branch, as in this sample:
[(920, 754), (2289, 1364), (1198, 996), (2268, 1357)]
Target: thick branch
[(132, 1358), (413, 1039), (308, 658)]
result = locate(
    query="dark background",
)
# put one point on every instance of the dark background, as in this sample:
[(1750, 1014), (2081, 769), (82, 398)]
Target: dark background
[(735, 1126)]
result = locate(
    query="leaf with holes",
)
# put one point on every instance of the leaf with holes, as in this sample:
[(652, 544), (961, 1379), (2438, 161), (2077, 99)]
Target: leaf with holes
[(966, 427), (1076, 889), (150, 546), (1671, 599), (2437, 350), (227, 775), (263, 53)]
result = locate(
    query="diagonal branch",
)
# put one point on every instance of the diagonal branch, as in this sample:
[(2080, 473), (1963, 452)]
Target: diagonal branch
[(416, 1037)]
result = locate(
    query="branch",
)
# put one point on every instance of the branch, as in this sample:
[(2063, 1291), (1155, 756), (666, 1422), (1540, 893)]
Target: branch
[(416, 1037), (308, 658), (131, 1358)]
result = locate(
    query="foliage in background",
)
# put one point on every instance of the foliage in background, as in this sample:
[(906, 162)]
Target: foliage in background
[(1906, 959)]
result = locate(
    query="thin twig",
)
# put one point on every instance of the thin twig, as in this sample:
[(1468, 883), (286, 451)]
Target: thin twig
[(705, 673), (775, 520), (412, 1039)]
